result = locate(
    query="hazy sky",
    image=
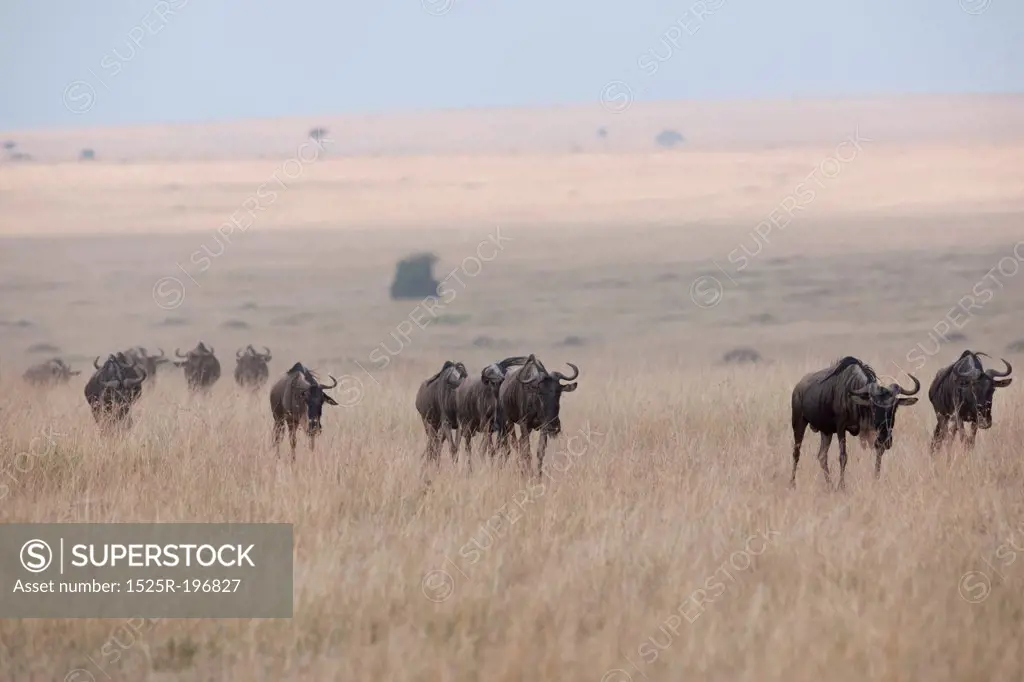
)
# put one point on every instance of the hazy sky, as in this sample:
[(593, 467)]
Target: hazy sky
[(147, 61)]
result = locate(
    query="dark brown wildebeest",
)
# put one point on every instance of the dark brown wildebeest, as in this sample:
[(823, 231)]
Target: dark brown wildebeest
[(963, 392), (150, 363), (298, 397), (50, 373), (846, 397), (530, 396), (476, 405), (435, 401), (202, 368), (251, 369), (113, 388)]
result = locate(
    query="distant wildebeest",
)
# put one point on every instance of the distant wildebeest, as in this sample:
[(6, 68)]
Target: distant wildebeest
[(50, 373), (149, 362), (963, 392), (113, 388), (846, 397), (435, 401), (298, 397), (251, 369), (530, 396), (476, 404), (202, 368)]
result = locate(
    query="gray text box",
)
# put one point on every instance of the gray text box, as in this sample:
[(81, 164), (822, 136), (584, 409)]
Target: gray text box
[(146, 570)]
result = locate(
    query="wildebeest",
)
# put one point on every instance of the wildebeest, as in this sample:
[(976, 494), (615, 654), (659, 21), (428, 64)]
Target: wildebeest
[(113, 389), (962, 392), (202, 368), (435, 401), (298, 397), (49, 373), (149, 362), (846, 397), (530, 396), (476, 404), (251, 369)]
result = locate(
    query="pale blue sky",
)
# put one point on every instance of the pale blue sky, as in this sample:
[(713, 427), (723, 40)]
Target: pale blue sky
[(213, 59)]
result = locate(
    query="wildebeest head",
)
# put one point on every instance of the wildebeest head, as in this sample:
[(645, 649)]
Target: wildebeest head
[(198, 352), (119, 371), (452, 373), (548, 387), (978, 385), (311, 392), (250, 352), (494, 373), (882, 399), (150, 362)]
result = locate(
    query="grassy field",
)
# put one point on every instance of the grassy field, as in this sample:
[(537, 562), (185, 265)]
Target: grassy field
[(664, 540)]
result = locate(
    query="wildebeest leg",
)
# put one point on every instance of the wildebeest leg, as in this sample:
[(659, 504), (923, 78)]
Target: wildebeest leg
[(277, 434), (448, 435), (842, 460), (974, 434), (542, 446), (293, 429), (941, 428), (431, 454), (525, 457), (878, 462), (799, 429), (826, 441)]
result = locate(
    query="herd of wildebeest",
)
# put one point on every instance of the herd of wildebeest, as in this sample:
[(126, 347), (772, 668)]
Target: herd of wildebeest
[(846, 397)]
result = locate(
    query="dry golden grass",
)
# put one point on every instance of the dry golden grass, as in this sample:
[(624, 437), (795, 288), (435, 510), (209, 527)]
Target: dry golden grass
[(687, 459)]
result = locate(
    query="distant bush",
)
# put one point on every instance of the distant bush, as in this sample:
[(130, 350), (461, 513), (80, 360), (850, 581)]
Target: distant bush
[(739, 356), (414, 277), (668, 138), (318, 134), (87, 155)]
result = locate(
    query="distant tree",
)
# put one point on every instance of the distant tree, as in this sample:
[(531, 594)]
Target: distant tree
[(9, 145), (668, 138), (602, 133), (318, 133), (414, 277), (87, 155)]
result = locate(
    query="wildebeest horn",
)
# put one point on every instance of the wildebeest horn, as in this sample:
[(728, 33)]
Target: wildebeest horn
[(996, 375), (511, 362), (161, 353), (137, 380), (539, 372), (267, 354), (209, 350), (238, 353), (96, 362), (177, 352), (917, 386), (326, 387), (562, 377)]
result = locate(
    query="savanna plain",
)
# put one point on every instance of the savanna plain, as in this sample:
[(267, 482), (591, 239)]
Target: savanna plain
[(663, 540)]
